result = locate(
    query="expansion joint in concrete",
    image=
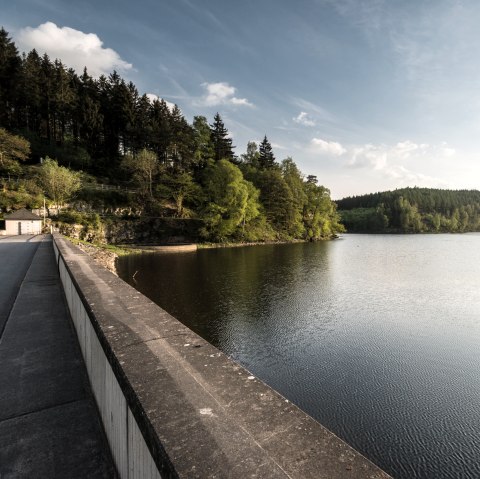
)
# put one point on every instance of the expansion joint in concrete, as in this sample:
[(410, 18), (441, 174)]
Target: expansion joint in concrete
[(36, 411)]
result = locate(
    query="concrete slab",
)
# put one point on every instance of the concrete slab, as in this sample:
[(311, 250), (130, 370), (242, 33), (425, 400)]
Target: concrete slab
[(49, 425), (59, 442)]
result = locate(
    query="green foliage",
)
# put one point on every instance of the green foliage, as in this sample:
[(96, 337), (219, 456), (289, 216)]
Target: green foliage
[(266, 159), (251, 156), (222, 143), (320, 213), (143, 167), (294, 208), (75, 217), (182, 190), (14, 200), (232, 202), (58, 183), (13, 150), (109, 131), (279, 204), (204, 147), (364, 219), (413, 210), (91, 223)]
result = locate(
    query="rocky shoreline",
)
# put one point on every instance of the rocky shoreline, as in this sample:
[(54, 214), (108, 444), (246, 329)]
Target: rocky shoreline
[(100, 255)]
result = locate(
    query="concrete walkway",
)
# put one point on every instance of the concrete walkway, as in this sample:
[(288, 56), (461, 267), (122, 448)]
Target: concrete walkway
[(49, 425)]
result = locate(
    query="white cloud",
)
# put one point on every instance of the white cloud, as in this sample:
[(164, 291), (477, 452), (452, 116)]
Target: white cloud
[(368, 156), (277, 146), (152, 97), (447, 150), (303, 119), (222, 93), (240, 101), (327, 147), (405, 148), (394, 162), (74, 48)]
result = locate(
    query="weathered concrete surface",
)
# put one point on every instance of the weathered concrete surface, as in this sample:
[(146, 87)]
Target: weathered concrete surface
[(16, 253), (201, 414), (49, 424)]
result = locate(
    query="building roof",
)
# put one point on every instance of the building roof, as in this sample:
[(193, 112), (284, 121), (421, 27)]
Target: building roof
[(22, 214)]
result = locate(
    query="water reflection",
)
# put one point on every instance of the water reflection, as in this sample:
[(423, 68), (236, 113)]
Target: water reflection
[(375, 336)]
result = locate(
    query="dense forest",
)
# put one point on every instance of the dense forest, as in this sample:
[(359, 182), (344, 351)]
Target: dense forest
[(153, 161), (412, 210)]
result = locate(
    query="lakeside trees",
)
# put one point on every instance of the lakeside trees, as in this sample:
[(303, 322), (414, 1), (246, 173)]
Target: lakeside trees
[(107, 129), (413, 210)]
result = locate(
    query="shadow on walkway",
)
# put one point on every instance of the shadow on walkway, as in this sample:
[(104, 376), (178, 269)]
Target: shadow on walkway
[(49, 424)]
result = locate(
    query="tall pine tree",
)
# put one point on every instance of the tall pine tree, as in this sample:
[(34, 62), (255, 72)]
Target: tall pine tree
[(10, 64), (266, 159), (222, 144)]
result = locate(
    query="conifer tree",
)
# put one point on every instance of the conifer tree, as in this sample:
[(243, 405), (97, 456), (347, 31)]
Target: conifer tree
[(30, 87), (161, 130), (204, 151), (266, 159), (10, 65), (222, 144), (182, 143)]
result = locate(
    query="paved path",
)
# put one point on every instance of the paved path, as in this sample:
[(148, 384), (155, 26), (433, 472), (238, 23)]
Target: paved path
[(49, 426)]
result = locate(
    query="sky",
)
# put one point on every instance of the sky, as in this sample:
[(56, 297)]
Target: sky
[(368, 95)]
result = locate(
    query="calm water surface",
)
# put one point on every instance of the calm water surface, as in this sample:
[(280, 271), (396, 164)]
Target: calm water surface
[(376, 336)]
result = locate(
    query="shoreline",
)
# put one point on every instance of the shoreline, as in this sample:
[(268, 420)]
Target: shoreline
[(106, 254), (260, 243)]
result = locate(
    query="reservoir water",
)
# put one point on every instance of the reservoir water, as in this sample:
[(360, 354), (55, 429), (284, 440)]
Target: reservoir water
[(375, 336)]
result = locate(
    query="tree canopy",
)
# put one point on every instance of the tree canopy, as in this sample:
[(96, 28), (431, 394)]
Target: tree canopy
[(59, 183), (413, 210), (112, 133)]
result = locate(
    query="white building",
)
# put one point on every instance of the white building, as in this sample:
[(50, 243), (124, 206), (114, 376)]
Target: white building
[(23, 222)]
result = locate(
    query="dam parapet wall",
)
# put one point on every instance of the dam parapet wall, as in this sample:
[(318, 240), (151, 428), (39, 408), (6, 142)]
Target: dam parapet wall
[(173, 405)]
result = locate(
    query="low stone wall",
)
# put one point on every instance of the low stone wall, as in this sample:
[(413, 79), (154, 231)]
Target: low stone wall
[(174, 406)]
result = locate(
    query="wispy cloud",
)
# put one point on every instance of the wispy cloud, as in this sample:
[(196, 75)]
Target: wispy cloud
[(307, 106), (75, 48), (222, 93), (304, 119), (366, 14)]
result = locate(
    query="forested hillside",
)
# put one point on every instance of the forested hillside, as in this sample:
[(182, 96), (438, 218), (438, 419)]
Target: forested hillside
[(106, 131), (412, 210)]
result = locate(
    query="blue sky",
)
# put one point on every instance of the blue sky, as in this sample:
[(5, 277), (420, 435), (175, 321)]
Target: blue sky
[(368, 95)]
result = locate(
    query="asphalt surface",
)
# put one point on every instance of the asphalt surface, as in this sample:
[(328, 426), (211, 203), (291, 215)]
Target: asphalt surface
[(49, 424)]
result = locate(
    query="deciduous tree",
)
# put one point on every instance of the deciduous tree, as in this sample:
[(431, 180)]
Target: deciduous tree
[(58, 183)]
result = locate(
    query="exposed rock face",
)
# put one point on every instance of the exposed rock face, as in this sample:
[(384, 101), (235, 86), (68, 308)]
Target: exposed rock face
[(145, 231)]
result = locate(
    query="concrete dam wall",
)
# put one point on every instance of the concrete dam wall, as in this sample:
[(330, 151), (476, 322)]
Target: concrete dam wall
[(172, 405)]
